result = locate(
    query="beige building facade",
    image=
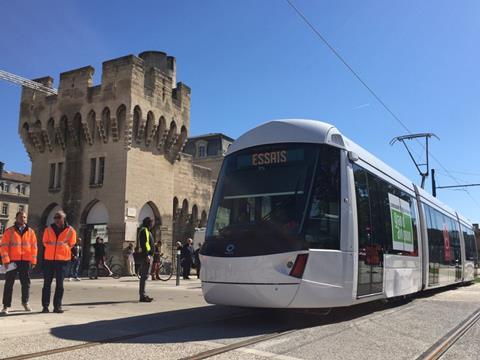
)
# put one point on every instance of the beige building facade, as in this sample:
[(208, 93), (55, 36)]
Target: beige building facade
[(112, 154), (209, 150), (14, 194)]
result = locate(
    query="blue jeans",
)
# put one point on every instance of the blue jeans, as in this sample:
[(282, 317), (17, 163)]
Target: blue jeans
[(74, 268)]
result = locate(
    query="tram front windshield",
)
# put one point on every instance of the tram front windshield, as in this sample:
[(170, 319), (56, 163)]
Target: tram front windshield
[(260, 205)]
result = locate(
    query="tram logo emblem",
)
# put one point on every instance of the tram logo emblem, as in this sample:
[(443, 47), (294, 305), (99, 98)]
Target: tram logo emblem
[(229, 249)]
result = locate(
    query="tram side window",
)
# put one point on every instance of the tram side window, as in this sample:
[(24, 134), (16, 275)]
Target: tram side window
[(374, 211), (387, 203), (363, 216), (322, 225), (443, 243), (454, 234), (470, 244)]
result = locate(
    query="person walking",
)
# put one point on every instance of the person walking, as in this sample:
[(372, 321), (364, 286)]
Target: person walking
[(157, 253), (198, 265), (77, 254), (129, 253), (146, 244), (58, 239), (100, 256), (186, 258), (18, 246)]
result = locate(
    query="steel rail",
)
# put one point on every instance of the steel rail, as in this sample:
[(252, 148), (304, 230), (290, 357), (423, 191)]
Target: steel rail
[(240, 344), (442, 345)]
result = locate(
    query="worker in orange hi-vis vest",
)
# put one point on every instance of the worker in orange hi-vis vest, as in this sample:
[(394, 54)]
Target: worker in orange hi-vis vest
[(18, 249), (58, 240)]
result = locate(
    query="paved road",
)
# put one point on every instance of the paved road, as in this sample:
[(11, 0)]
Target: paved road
[(179, 323)]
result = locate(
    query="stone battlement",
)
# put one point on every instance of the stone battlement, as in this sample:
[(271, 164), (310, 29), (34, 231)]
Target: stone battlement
[(137, 103)]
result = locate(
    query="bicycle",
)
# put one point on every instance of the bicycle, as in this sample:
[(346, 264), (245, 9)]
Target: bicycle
[(165, 272), (115, 268)]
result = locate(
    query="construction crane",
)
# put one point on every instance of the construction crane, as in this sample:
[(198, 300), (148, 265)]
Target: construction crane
[(4, 75)]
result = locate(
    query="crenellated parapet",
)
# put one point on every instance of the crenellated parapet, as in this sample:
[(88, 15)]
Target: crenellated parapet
[(137, 104)]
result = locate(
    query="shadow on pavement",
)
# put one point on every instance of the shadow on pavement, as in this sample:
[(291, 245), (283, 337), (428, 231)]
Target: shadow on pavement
[(208, 323)]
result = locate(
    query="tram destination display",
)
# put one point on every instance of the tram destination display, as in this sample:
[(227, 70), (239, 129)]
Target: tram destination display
[(271, 157)]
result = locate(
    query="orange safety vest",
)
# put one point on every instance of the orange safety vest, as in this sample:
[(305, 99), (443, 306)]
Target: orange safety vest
[(59, 248), (16, 247)]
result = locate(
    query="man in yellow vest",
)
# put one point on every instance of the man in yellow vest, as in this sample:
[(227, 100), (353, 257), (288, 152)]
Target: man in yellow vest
[(146, 246)]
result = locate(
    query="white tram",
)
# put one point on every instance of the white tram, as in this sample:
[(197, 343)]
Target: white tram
[(302, 217)]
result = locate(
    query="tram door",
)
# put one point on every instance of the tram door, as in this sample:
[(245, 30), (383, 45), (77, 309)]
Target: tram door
[(370, 242)]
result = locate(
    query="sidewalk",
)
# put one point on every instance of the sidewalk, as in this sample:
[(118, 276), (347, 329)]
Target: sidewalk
[(92, 300)]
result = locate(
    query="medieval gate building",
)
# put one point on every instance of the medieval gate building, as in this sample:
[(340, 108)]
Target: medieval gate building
[(111, 154)]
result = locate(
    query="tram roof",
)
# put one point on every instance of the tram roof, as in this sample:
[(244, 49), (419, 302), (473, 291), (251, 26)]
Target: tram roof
[(318, 132)]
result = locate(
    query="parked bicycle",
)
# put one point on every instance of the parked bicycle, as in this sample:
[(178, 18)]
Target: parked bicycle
[(165, 272), (94, 271)]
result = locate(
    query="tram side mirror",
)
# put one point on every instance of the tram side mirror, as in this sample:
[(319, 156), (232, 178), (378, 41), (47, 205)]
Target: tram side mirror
[(353, 156)]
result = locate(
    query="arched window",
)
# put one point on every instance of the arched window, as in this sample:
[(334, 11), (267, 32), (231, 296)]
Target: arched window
[(203, 219), (162, 126), (181, 139), (184, 212), (51, 132), (64, 129), (106, 123), (194, 218), (121, 119), (175, 207), (170, 137), (137, 116), (92, 125), (149, 127)]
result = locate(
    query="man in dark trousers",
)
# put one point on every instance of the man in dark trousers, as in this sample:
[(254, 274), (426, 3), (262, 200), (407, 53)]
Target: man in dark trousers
[(187, 258), (198, 264), (146, 247), (58, 240), (18, 247)]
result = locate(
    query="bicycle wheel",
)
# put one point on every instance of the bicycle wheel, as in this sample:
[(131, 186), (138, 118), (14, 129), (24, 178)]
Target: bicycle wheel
[(117, 271), (165, 272), (92, 272)]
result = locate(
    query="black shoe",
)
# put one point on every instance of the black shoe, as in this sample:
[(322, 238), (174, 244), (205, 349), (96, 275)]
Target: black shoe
[(58, 310), (45, 309), (146, 299)]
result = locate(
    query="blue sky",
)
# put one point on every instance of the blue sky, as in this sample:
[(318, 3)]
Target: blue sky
[(248, 61)]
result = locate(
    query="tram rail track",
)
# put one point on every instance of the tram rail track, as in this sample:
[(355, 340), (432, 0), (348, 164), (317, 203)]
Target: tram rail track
[(238, 345), (437, 350), (118, 339)]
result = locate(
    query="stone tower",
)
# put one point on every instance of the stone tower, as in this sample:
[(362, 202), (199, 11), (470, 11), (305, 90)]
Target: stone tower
[(111, 154)]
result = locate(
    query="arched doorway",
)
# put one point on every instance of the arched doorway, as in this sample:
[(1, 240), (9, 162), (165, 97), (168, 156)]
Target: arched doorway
[(94, 223), (150, 209)]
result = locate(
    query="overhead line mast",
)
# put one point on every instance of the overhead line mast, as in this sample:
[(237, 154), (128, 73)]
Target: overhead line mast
[(4, 75)]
